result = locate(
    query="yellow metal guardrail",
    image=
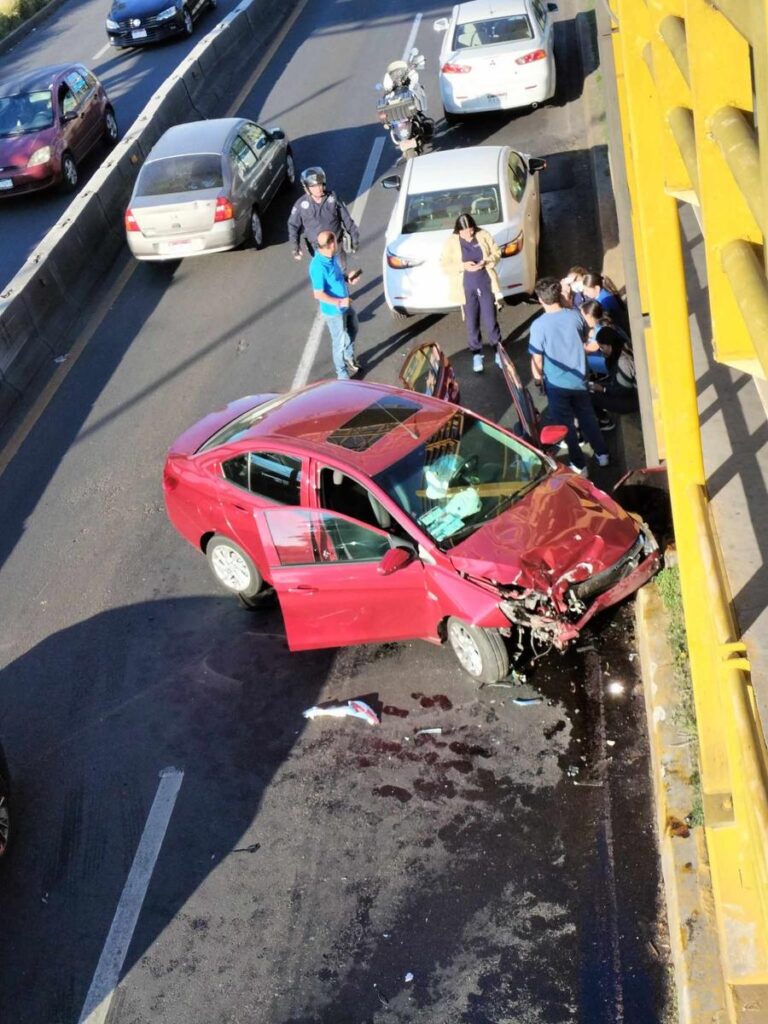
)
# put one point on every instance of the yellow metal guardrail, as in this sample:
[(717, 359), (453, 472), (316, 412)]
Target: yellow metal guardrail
[(692, 83)]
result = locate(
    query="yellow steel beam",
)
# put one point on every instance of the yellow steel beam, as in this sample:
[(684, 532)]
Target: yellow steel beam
[(669, 67)]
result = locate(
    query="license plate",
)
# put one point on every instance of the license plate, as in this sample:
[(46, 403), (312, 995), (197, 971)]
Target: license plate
[(6, 183), (179, 246), (139, 33)]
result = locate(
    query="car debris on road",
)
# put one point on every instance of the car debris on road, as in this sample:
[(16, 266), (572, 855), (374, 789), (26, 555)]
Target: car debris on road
[(352, 709)]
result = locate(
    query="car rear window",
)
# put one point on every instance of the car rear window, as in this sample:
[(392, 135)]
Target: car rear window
[(371, 424), (491, 31), (436, 211), (180, 174)]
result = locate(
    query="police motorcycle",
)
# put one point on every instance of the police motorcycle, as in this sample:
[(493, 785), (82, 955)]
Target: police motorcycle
[(402, 109)]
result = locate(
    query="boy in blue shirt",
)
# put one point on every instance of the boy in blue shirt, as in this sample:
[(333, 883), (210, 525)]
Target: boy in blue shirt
[(331, 290)]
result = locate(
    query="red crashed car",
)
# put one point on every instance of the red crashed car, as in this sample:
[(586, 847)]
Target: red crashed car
[(379, 514), (50, 119)]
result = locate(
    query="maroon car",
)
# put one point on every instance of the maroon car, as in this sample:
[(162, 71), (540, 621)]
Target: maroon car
[(50, 119), (379, 514)]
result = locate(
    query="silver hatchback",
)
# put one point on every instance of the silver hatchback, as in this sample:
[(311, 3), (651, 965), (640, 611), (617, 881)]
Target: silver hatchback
[(204, 188)]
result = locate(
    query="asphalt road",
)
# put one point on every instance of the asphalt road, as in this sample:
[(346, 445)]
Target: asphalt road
[(76, 32), (509, 863)]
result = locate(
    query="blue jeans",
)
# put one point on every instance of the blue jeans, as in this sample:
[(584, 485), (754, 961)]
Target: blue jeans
[(567, 405), (343, 329)]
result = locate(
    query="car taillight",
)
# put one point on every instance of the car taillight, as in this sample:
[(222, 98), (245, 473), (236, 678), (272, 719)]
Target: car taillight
[(529, 58), (514, 247), (224, 210), (130, 221), (456, 69)]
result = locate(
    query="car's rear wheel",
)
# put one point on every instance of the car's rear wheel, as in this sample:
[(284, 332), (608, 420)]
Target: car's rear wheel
[(189, 25), (482, 653), (111, 131), (5, 815), (233, 568), (69, 175), (255, 230)]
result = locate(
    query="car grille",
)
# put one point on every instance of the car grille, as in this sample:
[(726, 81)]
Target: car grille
[(609, 577)]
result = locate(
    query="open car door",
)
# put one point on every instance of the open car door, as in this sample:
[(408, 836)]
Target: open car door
[(343, 582), (427, 371), (528, 419)]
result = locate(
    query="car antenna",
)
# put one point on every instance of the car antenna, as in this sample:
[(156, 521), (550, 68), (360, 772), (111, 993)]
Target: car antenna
[(412, 434)]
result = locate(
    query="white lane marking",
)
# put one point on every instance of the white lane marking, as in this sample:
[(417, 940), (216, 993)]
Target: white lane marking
[(357, 209), (412, 36), (100, 53), (99, 998)]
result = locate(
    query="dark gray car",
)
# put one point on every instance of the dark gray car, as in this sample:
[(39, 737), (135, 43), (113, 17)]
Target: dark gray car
[(205, 187)]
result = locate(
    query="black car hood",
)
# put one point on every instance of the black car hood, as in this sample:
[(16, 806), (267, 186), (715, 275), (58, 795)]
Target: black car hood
[(123, 9)]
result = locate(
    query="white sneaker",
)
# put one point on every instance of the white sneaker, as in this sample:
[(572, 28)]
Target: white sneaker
[(603, 460), (477, 362)]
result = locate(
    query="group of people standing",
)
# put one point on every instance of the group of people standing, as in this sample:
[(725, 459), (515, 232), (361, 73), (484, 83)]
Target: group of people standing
[(580, 348)]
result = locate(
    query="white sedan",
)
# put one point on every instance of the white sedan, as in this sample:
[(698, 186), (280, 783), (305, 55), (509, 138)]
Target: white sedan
[(496, 185), (496, 55)]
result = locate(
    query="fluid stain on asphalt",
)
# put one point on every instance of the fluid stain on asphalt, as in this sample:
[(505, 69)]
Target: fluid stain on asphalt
[(439, 700), (469, 750), (390, 709), (400, 794)]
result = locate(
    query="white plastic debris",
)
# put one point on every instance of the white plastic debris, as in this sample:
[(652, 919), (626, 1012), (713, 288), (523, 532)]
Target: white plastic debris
[(352, 709), (429, 732), (615, 688), (408, 977)]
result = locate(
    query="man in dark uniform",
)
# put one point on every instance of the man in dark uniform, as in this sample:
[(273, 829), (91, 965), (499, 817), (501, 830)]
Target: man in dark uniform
[(318, 211)]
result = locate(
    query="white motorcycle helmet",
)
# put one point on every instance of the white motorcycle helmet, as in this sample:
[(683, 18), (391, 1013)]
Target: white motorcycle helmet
[(396, 75)]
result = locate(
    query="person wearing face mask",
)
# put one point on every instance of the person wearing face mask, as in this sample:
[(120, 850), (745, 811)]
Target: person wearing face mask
[(469, 259), (572, 287), (601, 328)]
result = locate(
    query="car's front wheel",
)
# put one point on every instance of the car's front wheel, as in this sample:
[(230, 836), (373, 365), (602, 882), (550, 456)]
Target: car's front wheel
[(233, 568), (290, 171), (482, 653), (255, 230), (69, 175), (188, 23)]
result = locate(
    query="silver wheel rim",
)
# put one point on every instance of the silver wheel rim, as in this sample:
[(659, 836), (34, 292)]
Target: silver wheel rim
[(230, 568), (188, 22), (290, 170), (70, 171), (466, 649), (111, 126), (256, 230)]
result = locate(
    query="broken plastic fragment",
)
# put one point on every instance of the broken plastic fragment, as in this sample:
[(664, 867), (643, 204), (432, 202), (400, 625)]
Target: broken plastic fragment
[(352, 709), (408, 977), (526, 700), (429, 732)]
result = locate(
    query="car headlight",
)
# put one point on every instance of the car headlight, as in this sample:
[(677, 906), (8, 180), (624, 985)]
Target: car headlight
[(400, 263), (167, 13), (113, 26), (40, 156), (514, 247)]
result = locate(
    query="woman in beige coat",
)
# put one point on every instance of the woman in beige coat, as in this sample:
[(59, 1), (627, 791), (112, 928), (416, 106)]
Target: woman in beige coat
[(469, 258)]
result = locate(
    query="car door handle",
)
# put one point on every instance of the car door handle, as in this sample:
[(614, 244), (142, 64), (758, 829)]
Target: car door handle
[(303, 591)]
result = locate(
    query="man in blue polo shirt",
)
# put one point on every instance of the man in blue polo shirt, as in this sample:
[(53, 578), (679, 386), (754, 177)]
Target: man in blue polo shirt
[(332, 292), (556, 345)]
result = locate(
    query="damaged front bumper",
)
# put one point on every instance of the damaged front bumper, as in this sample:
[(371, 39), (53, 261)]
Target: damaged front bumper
[(585, 598)]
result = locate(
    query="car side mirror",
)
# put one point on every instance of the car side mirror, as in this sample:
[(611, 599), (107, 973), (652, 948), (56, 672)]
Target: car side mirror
[(440, 25), (536, 164), (396, 558), (277, 133), (392, 181), (552, 435), (69, 116)]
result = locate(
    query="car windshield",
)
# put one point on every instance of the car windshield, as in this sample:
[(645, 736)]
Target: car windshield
[(189, 173), (26, 112), (437, 211), (492, 30), (461, 478)]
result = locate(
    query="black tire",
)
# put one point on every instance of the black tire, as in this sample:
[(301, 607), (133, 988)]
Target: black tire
[(290, 172), (213, 4), (255, 236), (5, 814), (399, 314), (69, 173), (451, 118), (189, 25), (111, 131), (482, 653), (233, 568)]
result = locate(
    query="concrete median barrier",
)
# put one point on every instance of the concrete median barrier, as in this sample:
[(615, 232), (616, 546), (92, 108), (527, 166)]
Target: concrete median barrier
[(41, 307)]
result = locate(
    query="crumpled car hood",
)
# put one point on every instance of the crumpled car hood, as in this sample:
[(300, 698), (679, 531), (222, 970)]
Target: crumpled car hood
[(563, 531)]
